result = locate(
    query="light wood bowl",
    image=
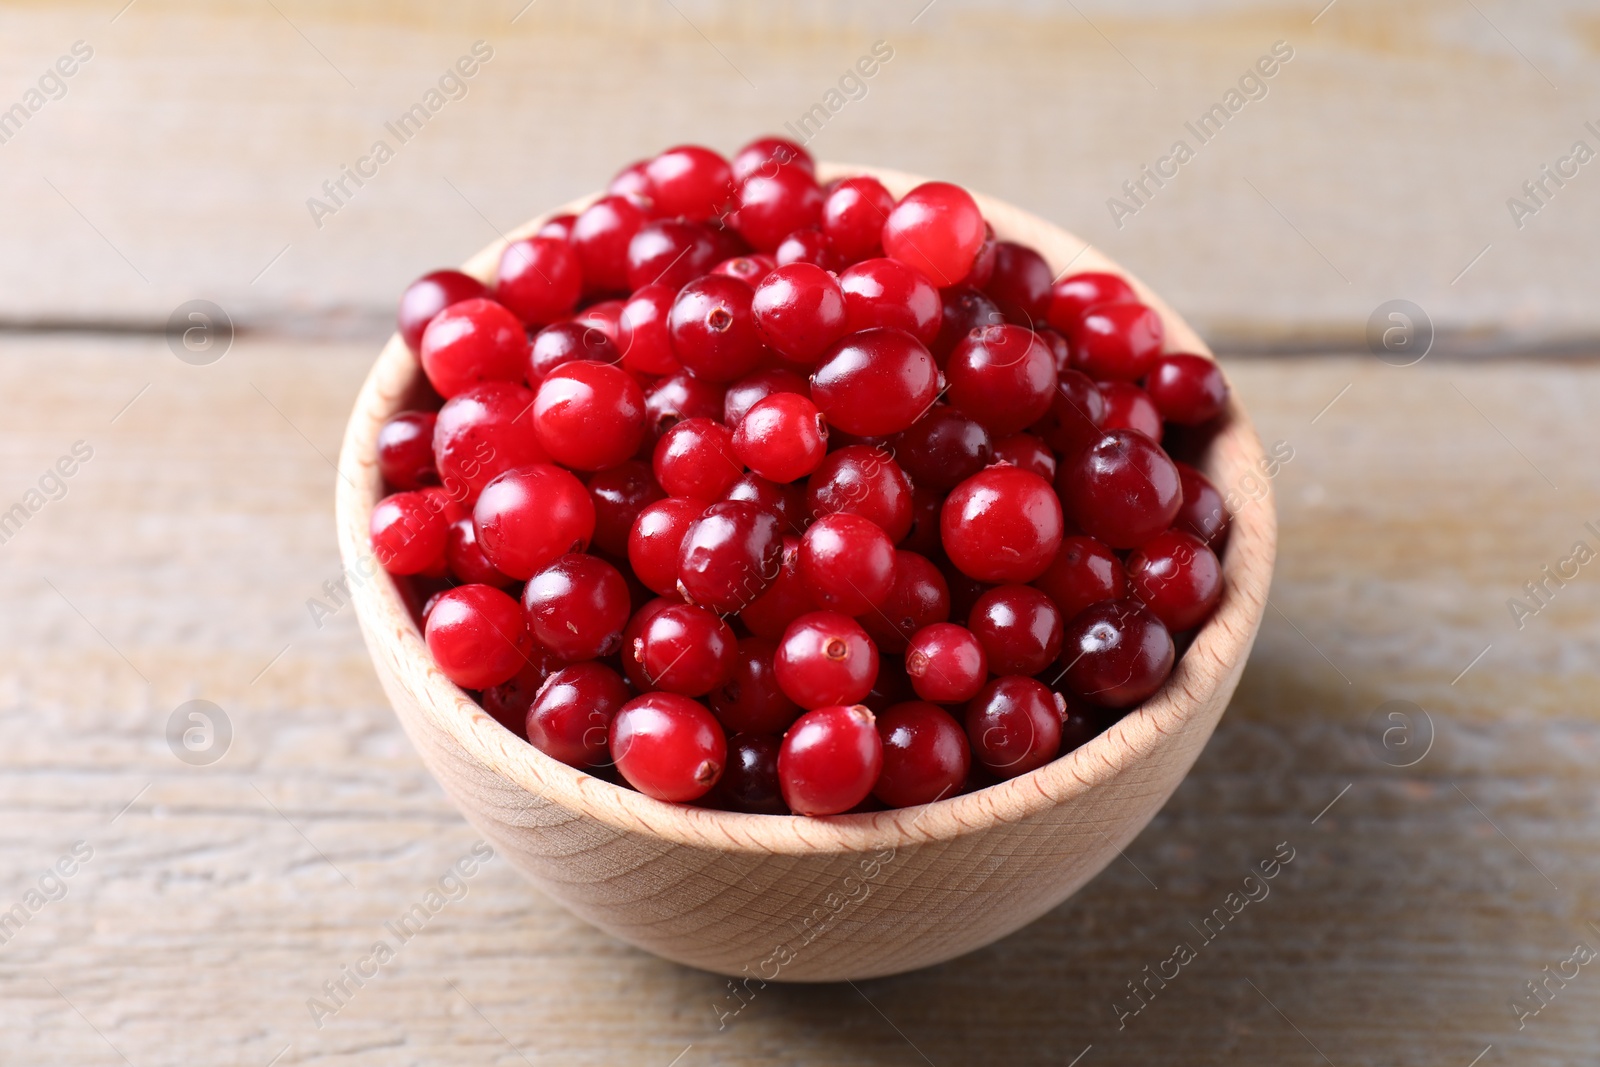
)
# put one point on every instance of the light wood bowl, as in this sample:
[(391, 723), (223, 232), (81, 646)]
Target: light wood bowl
[(806, 899)]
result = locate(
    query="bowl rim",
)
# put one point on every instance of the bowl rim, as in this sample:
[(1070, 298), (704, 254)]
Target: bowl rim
[(1216, 651)]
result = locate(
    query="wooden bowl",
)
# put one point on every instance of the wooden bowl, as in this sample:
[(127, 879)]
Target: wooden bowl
[(814, 899)]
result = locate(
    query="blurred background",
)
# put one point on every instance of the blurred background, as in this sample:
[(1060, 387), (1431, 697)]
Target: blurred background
[(1441, 153)]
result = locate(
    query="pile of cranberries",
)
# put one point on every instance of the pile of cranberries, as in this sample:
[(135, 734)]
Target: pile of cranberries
[(783, 497)]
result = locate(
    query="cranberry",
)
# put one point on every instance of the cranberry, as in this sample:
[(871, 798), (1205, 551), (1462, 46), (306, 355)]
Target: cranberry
[(946, 663), (642, 331), (962, 309), (1177, 577), (730, 555), (982, 271), (482, 433), (830, 759), (1028, 452), (589, 416), (936, 228), (925, 755), (1001, 525), (1076, 416), (561, 343), (1118, 342), (620, 494), (601, 236), (1019, 627), (408, 533), (670, 252), (847, 563), (853, 216), (877, 381), (713, 330), (1124, 490), (528, 516), (765, 155), (918, 598), (886, 292), (405, 450), (1187, 389), (800, 311), (774, 205), (786, 501), (540, 279), (743, 394), (944, 448), (782, 437), (657, 538), (750, 781), (864, 481), (1060, 348), (748, 269), (826, 658), (690, 181), (509, 701), (630, 639), (1014, 725), (1003, 376), (672, 400), (571, 715), (473, 341), (477, 636), (1203, 512), (1130, 408), (668, 746), (557, 226), (1115, 653), (1020, 286), (696, 458), (429, 295), (1084, 572), (784, 601), (466, 559), (577, 607), (750, 701), (809, 245), (1071, 297), (687, 650)]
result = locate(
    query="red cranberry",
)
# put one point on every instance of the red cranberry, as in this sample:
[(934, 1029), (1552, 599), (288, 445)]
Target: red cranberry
[(982, 271), (670, 252), (786, 501), (696, 458), (1130, 408), (946, 663), (619, 495), (1177, 577), (473, 341), (750, 701), (743, 394), (1014, 725), (1123, 490), (774, 205), (530, 515), (782, 437), (865, 481), (1019, 627), (477, 636), (687, 650), (577, 607), (408, 533), (589, 416), (1187, 389), (765, 155), (405, 450), (853, 216), (886, 292), (668, 746), (466, 559), (748, 269), (1020, 286), (713, 330), (632, 182), (826, 658), (962, 309), (829, 760), (1076, 416), (1003, 376), (601, 236), (847, 563), (482, 433), (540, 279), (918, 598), (1203, 512), (1115, 653), (1118, 342), (656, 540), (642, 331), (561, 343), (875, 382), (557, 226), (429, 295), (1071, 297), (785, 600), (1084, 572), (1028, 452), (1057, 343), (944, 448), (730, 555), (672, 400), (1001, 525), (925, 755), (936, 228), (509, 701), (571, 715), (750, 781), (630, 640), (690, 181), (809, 245), (799, 309)]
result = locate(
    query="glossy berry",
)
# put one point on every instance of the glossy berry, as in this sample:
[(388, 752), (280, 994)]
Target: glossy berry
[(962, 309), (748, 269), (668, 746), (1060, 348), (1130, 408), (936, 228), (632, 182), (1028, 452), (473, 341), (713, 330), (784, 601), (918, 598), (1187, 389), (826, 658), (687, 650), (689, 181), (530, 515), (743, 394), (540, 279), (482, 433), (865, 481), (1014, 725), (809, 245), (847, 563), (886, 292), (1071, 297), (656, 540), (696, 458), (765, 155), (465, 556), (1083, 572), (1019, 628), (405, 450), (773, 205), (509, 701), (1117, 342), (1203, 511), (1002, 376), (875, 382), (673, 399), (750, 701), (477, 636), (557, 226), (982, 271), (429, 295), (1115, 653), (781, 438), (577, 607), (944, 448), (561, 343), (1124, 490), (642, 335), (730, 555), (1020, 285), (600, 236), (619, 495), (750, 781), (853, 215), (785, 500), (670, 252), (926, 756), (1076, 417), (570, 718), (800, 311), (946, 663), (830, 760), (1003, 524), (1177, 577), (589, 416), (408, 533)]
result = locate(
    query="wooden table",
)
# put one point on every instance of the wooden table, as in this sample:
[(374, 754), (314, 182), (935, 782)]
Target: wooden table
[(217, 899)]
